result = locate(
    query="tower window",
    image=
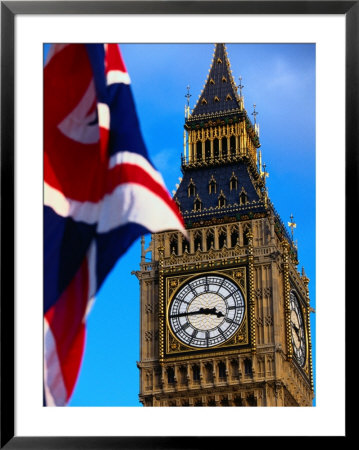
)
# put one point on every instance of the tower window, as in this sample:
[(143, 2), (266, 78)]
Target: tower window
[(211, 81), (185, 245), (251, 400), (234, 237), (209, 373), (247, 366), (243, 198), (233, 183), (197, 206), (196, 372), (222, 238), (224, 147), (198, 241), (199, 150), (210, 239), (216, 99), (212, 186), (224, 79), (208, 149), (174, 244), (228, 98), (245, 237), (170, 375), (232, 143), (204, 101), (222, 370), (191, 189), (216, 148), (221, 200), (238, 401)]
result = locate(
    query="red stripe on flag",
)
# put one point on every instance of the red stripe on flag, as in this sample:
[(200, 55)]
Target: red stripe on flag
[(65, 319), (113, 58)]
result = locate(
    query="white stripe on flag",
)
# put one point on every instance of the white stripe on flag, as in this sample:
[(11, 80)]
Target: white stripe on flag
[(103, 111), (129, 202), (138, 160), (53, 382), (117, 76)]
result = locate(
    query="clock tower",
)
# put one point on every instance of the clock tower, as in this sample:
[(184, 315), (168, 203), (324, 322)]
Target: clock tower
[(224, 314)]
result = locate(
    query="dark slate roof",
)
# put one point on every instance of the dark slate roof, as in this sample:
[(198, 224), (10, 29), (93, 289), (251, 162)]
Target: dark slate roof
[(222, 175), (221, 96)]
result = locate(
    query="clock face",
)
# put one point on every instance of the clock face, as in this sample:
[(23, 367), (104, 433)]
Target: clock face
[(298, 333), (206, 311)]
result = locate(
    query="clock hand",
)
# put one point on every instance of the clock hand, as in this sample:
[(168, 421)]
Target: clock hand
[(296, 329), (205, 311)]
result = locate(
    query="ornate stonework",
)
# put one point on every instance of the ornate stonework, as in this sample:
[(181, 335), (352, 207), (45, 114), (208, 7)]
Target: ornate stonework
[(241, 240)]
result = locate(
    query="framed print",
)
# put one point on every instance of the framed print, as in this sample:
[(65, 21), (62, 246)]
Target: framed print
[(206, 286)]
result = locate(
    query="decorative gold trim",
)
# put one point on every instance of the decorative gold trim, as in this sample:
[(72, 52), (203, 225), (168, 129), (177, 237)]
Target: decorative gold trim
[(288, 328), (309, 337), (251, 292)]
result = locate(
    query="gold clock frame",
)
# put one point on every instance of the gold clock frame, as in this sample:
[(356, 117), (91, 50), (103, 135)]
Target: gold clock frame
[(169, 345)]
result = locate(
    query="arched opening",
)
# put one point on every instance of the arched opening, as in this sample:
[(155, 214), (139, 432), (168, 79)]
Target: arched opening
[(243, 198), (199, 150), (174, 244), (197, 206), (212, 186), (234, 237), (216, 148), (191, 189), (233, 183), (222, 370), (208, 149), (232, 143), (224, 147), (170, 375), (196, 373), (209, 240), (247, 367), (222, 200), (222, 238), (197, 242)]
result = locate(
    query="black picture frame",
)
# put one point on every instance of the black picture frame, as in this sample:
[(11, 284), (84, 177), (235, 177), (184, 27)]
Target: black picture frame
[(9, 10)]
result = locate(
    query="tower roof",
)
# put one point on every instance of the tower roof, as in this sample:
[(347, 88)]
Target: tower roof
[(219, 94)]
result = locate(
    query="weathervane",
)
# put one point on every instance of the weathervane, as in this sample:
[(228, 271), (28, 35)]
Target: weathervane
[(292, 225)]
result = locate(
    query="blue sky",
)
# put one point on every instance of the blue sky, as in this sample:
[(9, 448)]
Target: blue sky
[(280, 80)]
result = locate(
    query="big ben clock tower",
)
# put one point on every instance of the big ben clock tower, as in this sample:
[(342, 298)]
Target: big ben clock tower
[(224, 314)]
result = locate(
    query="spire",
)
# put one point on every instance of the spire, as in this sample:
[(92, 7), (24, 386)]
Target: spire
[(219, 94)]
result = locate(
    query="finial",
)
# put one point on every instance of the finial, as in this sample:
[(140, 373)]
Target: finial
[(240, 86), (188, 95), (186, 108), (264, 173), (292, 225), (254, 114)]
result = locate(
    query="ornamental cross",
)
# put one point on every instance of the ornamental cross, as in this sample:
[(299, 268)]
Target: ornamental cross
[(292, 225), (240, 86), (255, 114), (188, 95), (186, 108)]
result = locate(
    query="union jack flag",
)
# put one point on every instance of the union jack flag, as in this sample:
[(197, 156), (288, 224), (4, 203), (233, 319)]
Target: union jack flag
[(101, 192)]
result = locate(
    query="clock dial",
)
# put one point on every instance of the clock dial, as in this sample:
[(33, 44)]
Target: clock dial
[(298, 330), (206, 311)]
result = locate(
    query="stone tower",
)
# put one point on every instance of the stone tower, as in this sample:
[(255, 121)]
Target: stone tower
[(224, 314)]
